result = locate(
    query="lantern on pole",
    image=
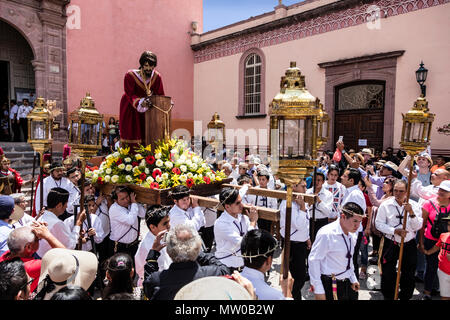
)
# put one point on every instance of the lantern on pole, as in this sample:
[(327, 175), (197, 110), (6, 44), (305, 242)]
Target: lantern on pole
[(40, 133), (295, 117), (216, 133), (85, 134), (323, 127), (415, 138)]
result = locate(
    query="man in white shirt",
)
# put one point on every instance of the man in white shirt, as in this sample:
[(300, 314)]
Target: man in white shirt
[(13, 115), (230, 228), (56, 206), (157, 220), (389, 221), (55, 180), (73, 174), (258, 247), (430, 191), (300, 240), (125, 222), (185, 209), (263, 201), (228, 170), (330, 260), (323, 206), (22, 113)]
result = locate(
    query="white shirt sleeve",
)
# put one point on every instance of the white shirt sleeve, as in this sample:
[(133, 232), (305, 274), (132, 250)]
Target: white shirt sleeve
[(67, 236), (326, 203), (381, 221), (127, 219), (318, 252)]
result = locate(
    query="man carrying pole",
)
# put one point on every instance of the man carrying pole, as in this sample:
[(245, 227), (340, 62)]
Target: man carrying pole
[(399, 221)]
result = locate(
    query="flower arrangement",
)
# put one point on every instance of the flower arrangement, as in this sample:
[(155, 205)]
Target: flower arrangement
[(169, 165)]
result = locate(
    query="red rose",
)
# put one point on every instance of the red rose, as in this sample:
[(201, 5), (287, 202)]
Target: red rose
[(135, 164), (142, 176), (176, 170), (154, 185), (100, 180), (156, 173), (189, 182), (207, 180), (150, 160), (119, 161)]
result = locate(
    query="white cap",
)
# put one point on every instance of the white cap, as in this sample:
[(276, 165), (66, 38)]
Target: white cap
[(445, 185)]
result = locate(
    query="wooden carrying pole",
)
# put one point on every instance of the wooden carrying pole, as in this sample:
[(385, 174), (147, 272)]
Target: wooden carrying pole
[(313, 218), (32, 184), (287, 232), (405, 216), (81, 184)]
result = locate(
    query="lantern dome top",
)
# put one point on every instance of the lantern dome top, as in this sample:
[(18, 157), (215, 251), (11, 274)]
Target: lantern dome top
[(87, 111), (40, 110), (216, 122), (420, 111)]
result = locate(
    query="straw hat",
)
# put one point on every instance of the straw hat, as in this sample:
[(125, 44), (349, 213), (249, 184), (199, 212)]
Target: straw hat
[(424, 155), (66, 267), (390, 165), (213, 288), (367, 151)]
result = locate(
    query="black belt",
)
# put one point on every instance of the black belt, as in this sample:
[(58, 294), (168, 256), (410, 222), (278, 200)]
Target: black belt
[(337, 280), (321, 219), (398, 243)]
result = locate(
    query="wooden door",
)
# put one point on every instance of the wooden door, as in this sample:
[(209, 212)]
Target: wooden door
[(359, 114)]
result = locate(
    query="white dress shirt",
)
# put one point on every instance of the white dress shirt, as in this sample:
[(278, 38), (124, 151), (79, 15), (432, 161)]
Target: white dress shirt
[(96, 224), (262, 289), (5, 230), (50, 183), (390, 217), (421, 192), (103, 214), (26, 220), (74, 198), (192, 216), (354, 194), (228, 234), (299, 222), (324, 208), (23, 111), (13, 111), (262, 201), (124, 222), (337, 190), (140, 259), (68, 237), (329, 255)]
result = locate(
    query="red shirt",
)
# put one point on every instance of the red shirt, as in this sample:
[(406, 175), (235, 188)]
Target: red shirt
[(32, 267), (444, 244)]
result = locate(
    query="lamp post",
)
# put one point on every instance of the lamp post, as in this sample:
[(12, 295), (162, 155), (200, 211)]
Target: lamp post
[(416, 131), (294, 137), (40, 133), (216, 129), (421, 77), (85, 136)]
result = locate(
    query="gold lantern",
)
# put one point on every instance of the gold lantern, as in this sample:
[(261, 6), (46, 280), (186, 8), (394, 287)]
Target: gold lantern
[(85, 133), (216, 133), (40, 133), (298, 125)]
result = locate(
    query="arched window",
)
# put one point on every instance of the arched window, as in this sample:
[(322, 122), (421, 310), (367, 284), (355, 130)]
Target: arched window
[(251, 84)]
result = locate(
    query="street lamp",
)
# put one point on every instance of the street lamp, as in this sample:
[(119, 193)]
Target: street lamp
[(294, 138), (85, 136), (421, 77), (40, 133), (415, 138)]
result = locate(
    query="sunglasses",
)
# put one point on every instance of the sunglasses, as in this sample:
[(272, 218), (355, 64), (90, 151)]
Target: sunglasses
[(27, 284)]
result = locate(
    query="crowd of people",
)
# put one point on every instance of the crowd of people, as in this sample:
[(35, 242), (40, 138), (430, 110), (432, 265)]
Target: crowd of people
[(62, 251), (13, 120)]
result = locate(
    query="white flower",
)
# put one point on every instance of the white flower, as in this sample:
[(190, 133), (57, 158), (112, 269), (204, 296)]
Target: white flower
[(121, 166), (189, 162), (150, 179), (128, 167), (183, 168), (135, 169), (95, 177), (204, 166), (158, 156), (193, 167), (147, 171), (109, 156), (190, 175), (159, 163), (116, 154), (128, 159), (179, 162), (165, 176), (195, 159), (143, 163), (129, 178), (107, 178), (183, 178), (115, 178), (174, 151), (168, 164), (183, 158), (159, 179), (108, 171)]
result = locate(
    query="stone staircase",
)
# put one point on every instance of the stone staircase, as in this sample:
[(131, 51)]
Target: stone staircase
[(21, 155)]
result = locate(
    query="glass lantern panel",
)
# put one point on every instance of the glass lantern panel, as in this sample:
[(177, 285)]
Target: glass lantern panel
[(292, 135), (407, 133), (75, 133), (88, 134), (38, 130), (307, 154), (416, 132)]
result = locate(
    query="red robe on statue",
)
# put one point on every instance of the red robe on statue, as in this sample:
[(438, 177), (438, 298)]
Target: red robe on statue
[(132, 122)]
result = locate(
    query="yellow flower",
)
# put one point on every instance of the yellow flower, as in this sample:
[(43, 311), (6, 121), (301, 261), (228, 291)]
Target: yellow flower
[(148, 148), (200, 171), (138, 157)]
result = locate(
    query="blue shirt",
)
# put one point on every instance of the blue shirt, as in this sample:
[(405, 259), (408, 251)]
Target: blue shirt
[(5, 230)]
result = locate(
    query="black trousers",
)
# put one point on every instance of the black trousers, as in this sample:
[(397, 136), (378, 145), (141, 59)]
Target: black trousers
[(265, 225), (344, 289), (16, 130), (389, 260), (431, 265), (130, 248), (356, 254), (207, 235), (318, 223), (24, 127), (297, 267)]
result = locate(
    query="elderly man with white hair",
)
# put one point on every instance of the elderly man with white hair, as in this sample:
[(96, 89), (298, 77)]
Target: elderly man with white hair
[(20, 218), (228, 170), (189, 263)]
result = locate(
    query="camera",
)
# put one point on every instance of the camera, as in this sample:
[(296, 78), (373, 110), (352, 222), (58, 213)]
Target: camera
[(164, 238)]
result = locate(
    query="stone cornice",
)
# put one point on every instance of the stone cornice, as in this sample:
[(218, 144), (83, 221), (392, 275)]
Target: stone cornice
[(331, 17), (378, 56)]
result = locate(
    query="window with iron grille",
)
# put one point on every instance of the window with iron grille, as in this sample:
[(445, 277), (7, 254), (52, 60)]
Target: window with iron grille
[(252, 85)]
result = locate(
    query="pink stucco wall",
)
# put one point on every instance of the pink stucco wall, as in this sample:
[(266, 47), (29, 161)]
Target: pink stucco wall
[(421, 33), (110, 40)]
